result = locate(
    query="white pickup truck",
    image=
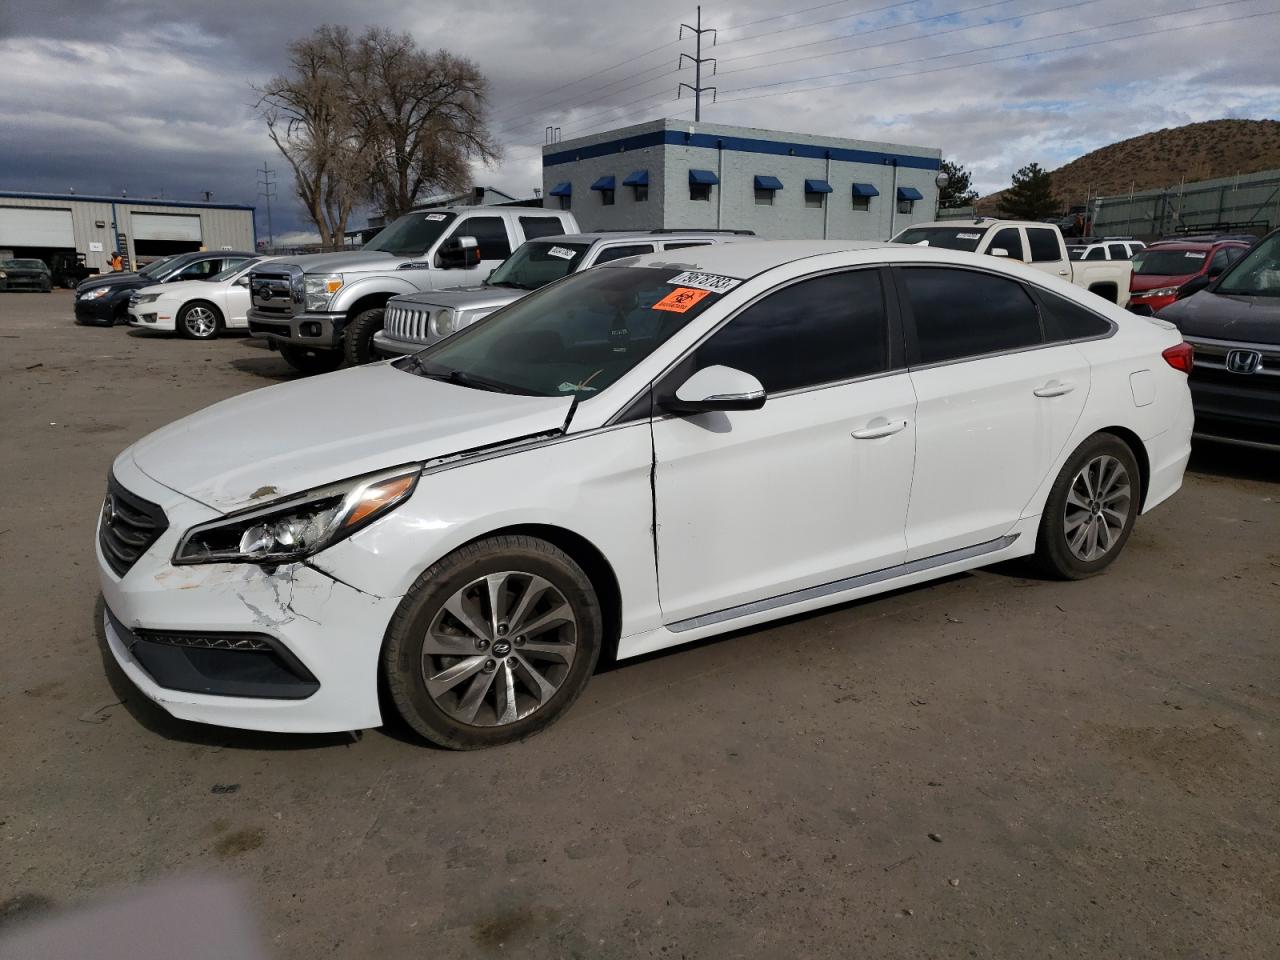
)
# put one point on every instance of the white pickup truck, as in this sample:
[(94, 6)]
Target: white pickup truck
[(1039, 245)]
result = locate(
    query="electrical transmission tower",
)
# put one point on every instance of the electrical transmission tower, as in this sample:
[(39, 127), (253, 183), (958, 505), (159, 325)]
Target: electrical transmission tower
[(698, 60), (268, 191)]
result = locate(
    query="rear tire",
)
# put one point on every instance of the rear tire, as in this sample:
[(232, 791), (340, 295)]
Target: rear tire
[(493, 643), (310, 360), (358, 342), (198, 320), (1091, 509)]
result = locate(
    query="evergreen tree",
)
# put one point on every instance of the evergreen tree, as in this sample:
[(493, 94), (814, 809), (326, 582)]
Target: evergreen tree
[(958, 192), (1031, 195)]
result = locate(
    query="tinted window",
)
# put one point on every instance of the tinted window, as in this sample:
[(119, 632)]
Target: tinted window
[(1044, 245), (949, 238), (1118, 251), (1008, 239), (1065, 319), (200, 270), (816, 331), (681, 244), (617, 253), (1219, 262), (1096, 253), (490, 234), (535, 227), (963, 313)]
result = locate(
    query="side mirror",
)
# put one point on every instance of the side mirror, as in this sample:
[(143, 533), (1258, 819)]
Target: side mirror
[(243, 281), (1194, 285), (998, 252), (460, 253), (717, 388)]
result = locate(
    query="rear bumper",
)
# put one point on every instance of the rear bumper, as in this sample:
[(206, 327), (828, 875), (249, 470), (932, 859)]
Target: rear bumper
[(321, 331)]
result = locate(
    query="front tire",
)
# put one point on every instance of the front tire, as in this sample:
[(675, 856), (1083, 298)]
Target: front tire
[(493, 643), (1091, 509), (309, 360), (358, 341), (199, 321)]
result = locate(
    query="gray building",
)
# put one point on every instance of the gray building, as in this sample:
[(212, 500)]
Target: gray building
[(41, 225), (674, 174), (1247, 203)]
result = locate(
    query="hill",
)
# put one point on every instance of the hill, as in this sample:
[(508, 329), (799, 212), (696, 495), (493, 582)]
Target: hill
[(1162, 158)]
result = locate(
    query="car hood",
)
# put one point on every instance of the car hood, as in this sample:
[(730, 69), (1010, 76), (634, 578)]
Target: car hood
[(1154, 281), (23, 271), (293, 437), (110, 280), (179, 288), (350, 261), (1226, 317), (463, 298)]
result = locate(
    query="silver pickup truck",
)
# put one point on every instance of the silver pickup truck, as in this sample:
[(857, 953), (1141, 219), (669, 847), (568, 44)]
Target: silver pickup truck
[(413, 321)]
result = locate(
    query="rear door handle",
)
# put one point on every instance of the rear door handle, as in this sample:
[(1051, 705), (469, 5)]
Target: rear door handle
[(1055, 388), (879, 427)]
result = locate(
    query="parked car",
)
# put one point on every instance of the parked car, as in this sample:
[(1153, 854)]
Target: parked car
[(104, 299), (321, 309), (1105, 248), (25, 275), (1037, 244), (414, 320), (1233, 322), (196, 309), (1161, 270), (634, 457)]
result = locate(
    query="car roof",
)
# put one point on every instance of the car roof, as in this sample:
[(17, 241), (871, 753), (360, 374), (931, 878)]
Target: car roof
[(1177, 245), (743, 260), (596, 236)]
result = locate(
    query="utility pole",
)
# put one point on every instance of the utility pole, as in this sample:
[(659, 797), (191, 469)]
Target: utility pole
[(268, 191), (698, 60)]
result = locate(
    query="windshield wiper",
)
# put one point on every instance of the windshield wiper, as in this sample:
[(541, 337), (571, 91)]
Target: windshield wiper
[(464, 379), (512, 284)]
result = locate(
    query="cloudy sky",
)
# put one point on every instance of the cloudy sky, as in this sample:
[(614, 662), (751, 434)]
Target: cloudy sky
[(155, 98)]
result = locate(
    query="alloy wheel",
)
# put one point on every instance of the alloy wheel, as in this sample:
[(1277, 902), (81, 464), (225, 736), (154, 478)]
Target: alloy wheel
[(200, 321), (1097, 509), (499, 648)]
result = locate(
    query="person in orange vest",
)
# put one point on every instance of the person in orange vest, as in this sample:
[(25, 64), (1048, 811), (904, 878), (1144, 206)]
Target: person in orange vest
[(115, 261)]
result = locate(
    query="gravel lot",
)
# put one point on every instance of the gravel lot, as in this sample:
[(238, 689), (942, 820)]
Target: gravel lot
[(1097, 761)]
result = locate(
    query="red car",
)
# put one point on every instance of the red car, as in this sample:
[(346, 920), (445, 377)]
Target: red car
[(1160, 269)]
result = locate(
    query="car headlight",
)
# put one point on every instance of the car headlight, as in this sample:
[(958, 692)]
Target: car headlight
[(318, 289), (146, 298), (1162, 292), (96, 294), (298, 526), (3, 275), (443, 323)]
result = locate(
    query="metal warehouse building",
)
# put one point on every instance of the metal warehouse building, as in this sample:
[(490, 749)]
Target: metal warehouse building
[(1247, 202), (41, 225), (673, 174)]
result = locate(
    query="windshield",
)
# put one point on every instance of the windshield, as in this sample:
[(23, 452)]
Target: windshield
[(22, 264), (577, 336), (1168, 263), (411, 234), (157, 267), (949, 238), (1257, 273), (232, 272), (536, 264)]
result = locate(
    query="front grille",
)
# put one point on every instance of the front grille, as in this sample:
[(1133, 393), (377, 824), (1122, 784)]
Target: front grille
[(128, 526), (276, 294), (1255, 366), (407, 323)]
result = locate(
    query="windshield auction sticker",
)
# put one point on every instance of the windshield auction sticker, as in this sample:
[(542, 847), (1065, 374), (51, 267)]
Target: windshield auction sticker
[(564, 253), (681, 299), (711, 282), (1195, 256), (435, 216), (968, 236)]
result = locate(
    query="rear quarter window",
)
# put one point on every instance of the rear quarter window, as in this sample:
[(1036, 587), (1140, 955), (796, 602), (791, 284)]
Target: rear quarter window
[(1064, 319)]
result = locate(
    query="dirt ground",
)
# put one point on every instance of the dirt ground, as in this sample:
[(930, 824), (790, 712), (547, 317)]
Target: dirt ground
[(1095, 762)]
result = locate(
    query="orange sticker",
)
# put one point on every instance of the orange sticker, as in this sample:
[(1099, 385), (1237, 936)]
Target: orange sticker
[(681, 299)]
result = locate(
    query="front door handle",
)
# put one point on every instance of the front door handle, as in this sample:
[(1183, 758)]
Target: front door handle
[(1055, 388), (879, 427), (1064, 273)]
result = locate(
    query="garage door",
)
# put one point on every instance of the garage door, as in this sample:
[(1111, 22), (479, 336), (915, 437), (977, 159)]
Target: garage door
[(165, 226), (34, 227)]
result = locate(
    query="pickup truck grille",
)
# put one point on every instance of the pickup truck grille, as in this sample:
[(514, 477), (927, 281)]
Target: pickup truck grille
[(407, 323), (128, 527), (276, 292)]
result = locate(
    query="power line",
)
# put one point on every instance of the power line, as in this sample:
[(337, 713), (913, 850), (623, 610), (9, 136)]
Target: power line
[(698, 60), (819, 23), (268, 192)]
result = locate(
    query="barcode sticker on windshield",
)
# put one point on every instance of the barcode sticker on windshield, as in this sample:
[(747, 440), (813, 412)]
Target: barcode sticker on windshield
[(711, 282), (435, 216), (564, 253), (1195, 256), (968, 236)]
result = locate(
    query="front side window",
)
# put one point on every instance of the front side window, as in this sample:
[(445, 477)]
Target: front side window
[(1118, 251), (234, 268), (412, 234), (617, 253), (536, 263), (1044, 244), (535, 227), (577, 336), (1009, 240), (822, 330), (966, 313), (1096, 253), (490, 234), (200, 270), (1257, 273)]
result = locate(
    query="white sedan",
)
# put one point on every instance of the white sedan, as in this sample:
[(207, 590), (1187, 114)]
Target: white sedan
[(197, 309), (635, 457)]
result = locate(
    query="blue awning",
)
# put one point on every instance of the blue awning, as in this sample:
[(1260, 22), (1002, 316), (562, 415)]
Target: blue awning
[(865, 190), (638, 178), (764, 182), (563, 189), (704, 177), (817, 186), (909, 193), (604, 183)]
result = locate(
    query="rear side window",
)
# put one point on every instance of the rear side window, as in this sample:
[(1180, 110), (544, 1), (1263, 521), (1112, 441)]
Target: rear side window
[(490, 234), (617, 253), (1096, 253), (1044, 245), (817, 331), (965, 313), (535, 227), (681, 244), (1009, 239), (1064, 319)]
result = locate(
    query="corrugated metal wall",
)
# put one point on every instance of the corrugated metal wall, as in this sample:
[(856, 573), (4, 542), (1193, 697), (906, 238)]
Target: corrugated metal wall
[(1248, 203)]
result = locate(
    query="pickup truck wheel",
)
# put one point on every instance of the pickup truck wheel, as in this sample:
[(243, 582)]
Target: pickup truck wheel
[(358, 343), (309, 359), (198, 320), (492, 643)]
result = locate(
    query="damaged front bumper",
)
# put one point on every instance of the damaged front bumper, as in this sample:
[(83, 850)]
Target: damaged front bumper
[(289, 649)]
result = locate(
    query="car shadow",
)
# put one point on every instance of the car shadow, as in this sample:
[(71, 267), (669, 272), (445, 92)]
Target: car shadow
[(155, 720), (270, 367), (1229, 460)]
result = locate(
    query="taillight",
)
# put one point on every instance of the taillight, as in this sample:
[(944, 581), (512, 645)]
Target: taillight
[(1180, 356)]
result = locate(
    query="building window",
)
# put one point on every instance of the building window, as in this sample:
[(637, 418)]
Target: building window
[(764, 198), (907, 197), (861, 203), (565, 202), (641, 192), (906, 206), (606, 198), (815, 193), (699, 191), (814, 200)]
